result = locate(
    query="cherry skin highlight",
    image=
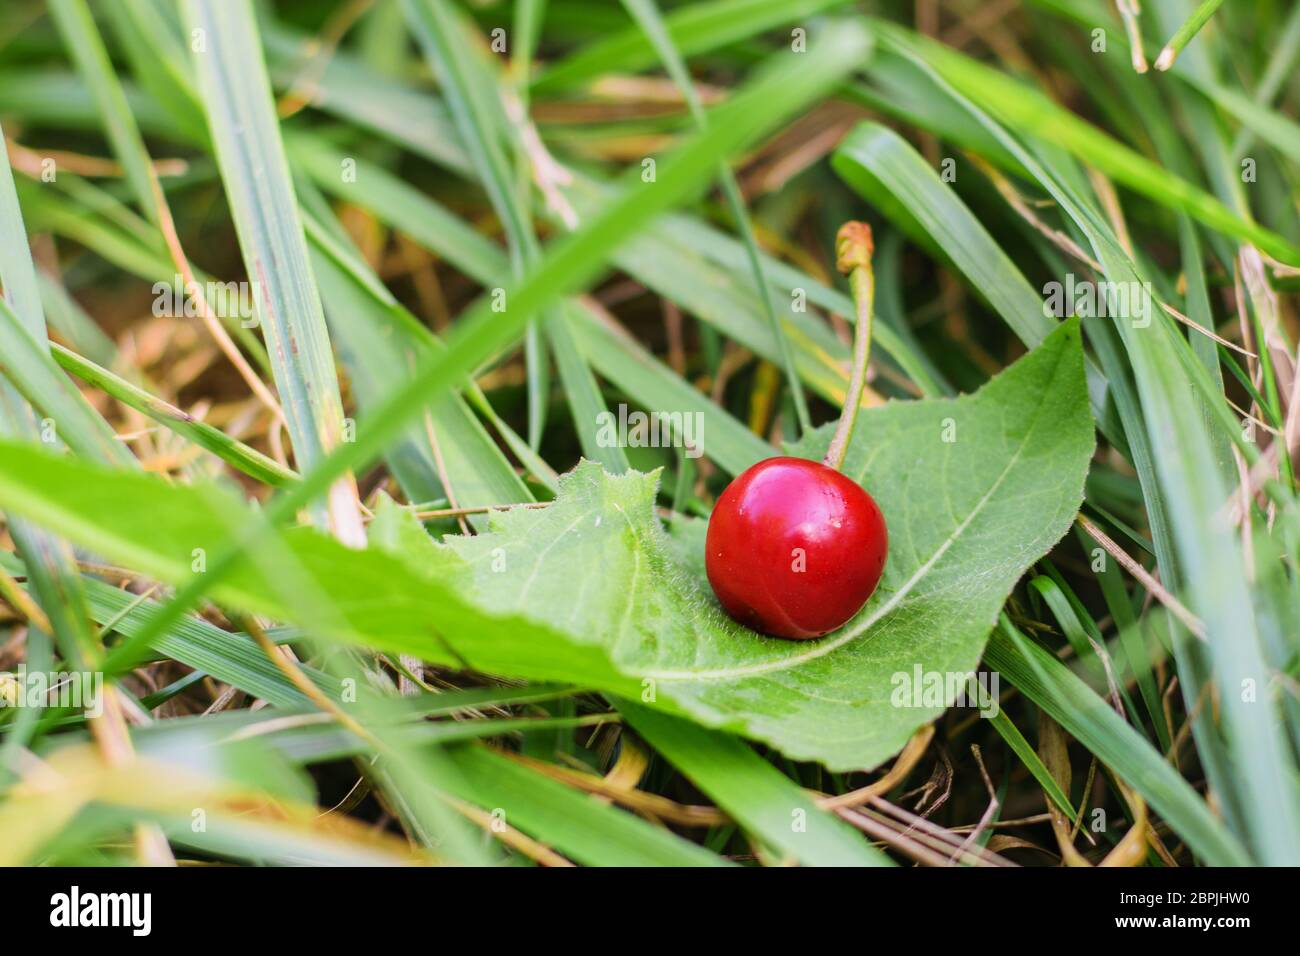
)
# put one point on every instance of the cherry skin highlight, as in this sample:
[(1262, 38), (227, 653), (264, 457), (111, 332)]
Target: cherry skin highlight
[(794, 548)]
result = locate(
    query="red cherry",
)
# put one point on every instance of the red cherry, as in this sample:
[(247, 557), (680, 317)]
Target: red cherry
[(794, 548)]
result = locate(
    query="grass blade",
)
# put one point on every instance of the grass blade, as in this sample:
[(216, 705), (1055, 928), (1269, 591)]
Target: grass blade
[(248, 460), (1192, 26), (75, 22), (375, 335), (237, 95), (764, 801), (693, 28), (1073, 705), (652, 24), (468, 86), (589, 831), (611, 351), (1022, 107), (1202, 557)]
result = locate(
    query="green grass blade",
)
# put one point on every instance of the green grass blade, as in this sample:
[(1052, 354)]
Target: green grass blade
[(700, 268), (75, 23), (1022, 107), (693, 28), (1211, 568), (158, 61), (1177, 498), (23, 338), (1135, 651), (610, 351), (1281, 65), (694, 240), (652, 25), (232, 658), (528, 18), (237, 95), (120, 243), (68, 417), (653, 385), (1191, 26), (248, 460), (764, 801), (574, 823), (882, 167), (480, 116), (58, 99), (1021, 747), (375, 335), (1072, 704), (71, 322)]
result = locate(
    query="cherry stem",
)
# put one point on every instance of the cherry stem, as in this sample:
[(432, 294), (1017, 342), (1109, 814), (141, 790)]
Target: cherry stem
[(853, 248)]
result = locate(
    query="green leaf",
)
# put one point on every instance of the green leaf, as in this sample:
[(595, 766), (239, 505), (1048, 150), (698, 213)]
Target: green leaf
[(966, 517), (966, 524), (364, 597)]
